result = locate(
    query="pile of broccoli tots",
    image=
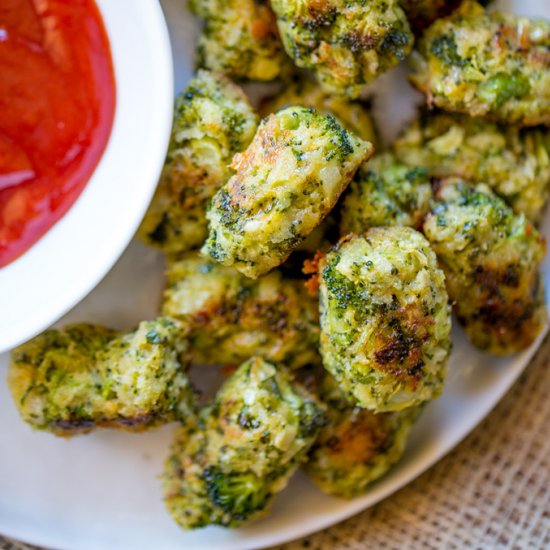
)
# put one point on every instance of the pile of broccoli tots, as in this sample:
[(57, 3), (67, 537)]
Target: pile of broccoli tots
[(319, 269)]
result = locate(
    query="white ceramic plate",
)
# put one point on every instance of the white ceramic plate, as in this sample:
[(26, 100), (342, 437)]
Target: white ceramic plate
[(102, 491), (75, 254)]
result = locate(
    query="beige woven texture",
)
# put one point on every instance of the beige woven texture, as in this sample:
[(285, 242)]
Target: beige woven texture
[(491, 492)]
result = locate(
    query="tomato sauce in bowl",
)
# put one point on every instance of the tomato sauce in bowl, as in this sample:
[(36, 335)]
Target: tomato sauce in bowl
[(57, 104)]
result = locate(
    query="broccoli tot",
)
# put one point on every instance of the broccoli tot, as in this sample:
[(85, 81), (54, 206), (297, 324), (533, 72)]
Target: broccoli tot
[(226, 468), (357, 446), (514, 162), (386, 192), (385, 319), (491, 259), (354, 116), (213, 120), (346, 44), (491, 65), (232, 317), (71, 380), (286, 182), (240, 39)]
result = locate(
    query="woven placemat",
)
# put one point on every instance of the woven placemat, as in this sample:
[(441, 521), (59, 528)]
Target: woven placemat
[(491, 492)]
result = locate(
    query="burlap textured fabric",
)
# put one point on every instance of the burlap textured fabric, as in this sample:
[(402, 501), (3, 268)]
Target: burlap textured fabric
[(491, 492)]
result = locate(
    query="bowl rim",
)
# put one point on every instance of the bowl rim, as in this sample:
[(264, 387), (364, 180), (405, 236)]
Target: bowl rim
[(66, 263)]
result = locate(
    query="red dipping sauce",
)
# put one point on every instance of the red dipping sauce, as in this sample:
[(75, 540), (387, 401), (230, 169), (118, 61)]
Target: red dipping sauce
[(57, 104)]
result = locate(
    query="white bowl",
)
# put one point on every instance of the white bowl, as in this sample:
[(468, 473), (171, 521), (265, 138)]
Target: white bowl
[(76, 253)]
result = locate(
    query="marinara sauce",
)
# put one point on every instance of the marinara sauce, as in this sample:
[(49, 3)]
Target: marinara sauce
[(57, 103)]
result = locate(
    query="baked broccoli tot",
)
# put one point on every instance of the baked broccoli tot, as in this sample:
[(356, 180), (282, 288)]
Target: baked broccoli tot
[(213, 120), (491, 65), (386, 192), (240, 39), (356, 446), (514, 162), (491, 258), (286, 182), (232, 317), (72, 380), (385, 319), (346, 44), (226, 468)]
